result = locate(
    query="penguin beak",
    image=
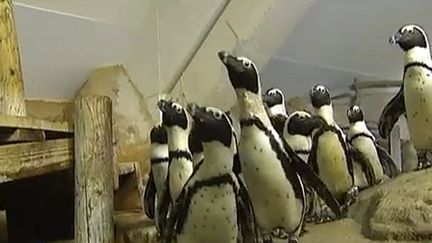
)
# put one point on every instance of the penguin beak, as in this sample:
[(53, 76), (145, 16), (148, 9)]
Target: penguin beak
[(162, 104), (396, 38), (266, 98), (315, 122), (230, 61), (197, 112)]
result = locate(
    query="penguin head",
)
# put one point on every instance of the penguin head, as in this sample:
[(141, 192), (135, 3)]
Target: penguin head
[(319, 96), (211, 124), (355, 114), (273, 96), (173, 114), (242, 72), (301, 123), (409, 36), (158, 134)]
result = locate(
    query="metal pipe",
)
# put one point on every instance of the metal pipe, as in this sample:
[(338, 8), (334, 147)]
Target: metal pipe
[(191, 55)]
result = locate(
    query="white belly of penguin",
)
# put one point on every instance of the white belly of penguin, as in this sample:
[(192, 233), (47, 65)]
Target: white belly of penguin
[(160, 172), (212, 216), (332, 165), (180, 171), (360, 179), (367, 147), (418, 104), (271, 193)]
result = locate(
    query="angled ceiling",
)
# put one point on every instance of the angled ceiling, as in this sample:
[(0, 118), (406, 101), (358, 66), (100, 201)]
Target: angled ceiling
[(336, 41), (331, 41)]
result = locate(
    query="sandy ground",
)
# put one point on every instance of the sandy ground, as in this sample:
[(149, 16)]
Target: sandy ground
[(343, 231)]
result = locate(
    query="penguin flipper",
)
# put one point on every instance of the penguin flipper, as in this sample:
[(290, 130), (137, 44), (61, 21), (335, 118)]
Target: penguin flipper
[(164, 206), (236, 165), (307, 174), (246, 215), (388, 164), (149, 197), (391, 113), (358, 157), (176, 217)]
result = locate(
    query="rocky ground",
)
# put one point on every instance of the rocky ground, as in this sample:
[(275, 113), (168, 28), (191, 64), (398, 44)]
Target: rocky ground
[(400, 209)]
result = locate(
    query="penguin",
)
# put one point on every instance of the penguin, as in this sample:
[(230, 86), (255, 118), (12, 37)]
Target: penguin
[(195, 147), (178, 124), (375, 161), (297, 133), (414, 96), (158, 171), (214, 206), (274, 101), (270, 167), (329, 154)]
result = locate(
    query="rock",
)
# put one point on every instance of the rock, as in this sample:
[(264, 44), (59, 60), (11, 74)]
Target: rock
[(398, 209)]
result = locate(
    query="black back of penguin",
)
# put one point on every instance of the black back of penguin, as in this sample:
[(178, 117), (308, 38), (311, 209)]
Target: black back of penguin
[(158, 171), (213, 205)]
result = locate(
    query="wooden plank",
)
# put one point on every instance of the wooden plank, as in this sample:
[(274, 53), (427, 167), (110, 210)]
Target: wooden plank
[(129, 195), (125, 168), (94, 170), (24, 160), (35, 124)]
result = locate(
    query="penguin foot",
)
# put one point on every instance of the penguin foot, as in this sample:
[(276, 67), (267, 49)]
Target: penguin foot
[(267, 239), (292, 239), (351, 196), (279, 233)]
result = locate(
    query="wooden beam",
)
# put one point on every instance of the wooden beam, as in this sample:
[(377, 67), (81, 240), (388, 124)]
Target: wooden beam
[(18, 161), (12, 100), (34, 124), (94, 170)]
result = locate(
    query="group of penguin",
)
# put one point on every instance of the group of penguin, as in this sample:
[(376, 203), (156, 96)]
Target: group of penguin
[(210, 184)]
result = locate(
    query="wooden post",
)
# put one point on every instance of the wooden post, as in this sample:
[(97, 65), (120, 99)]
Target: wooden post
[(94, 184), (12, 100)]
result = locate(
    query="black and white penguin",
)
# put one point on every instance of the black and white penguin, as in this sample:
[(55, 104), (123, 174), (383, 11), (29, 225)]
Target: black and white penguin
[(195, 147), (414, 98), (178, 124), (329, 155), (297, 133), (375, 161), (269, 165), (274, 101), (158, 172), (214, 205)]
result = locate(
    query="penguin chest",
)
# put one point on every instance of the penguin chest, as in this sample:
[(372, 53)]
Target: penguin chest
[(212, 216), (418, 104), (367, 147), (160, 172), (332, 164), (272, 194), (179, 172)]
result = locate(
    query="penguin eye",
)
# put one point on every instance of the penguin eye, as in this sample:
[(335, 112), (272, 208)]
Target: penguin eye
[(217, 115), (246, 63), (178, 109), (410, 31)]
